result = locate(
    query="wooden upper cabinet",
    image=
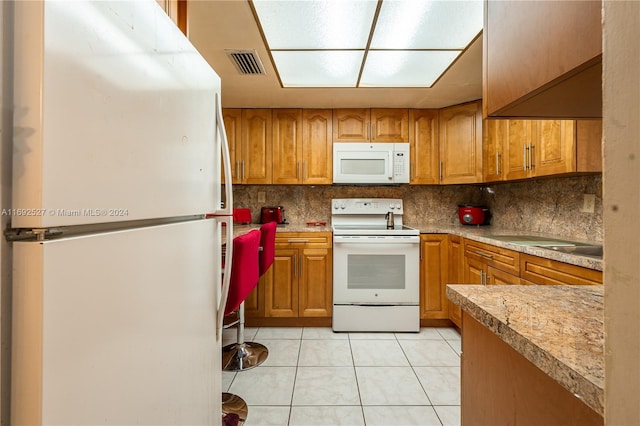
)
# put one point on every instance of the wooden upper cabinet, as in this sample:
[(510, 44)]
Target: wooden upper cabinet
[(423, 141), (317, 147), (256, 167), (552, 147), (389, 125), (302, 147), (518, 140), (233, 127), (493, 148), (287, 146), (460, 142), (542, 59), (371, 125)]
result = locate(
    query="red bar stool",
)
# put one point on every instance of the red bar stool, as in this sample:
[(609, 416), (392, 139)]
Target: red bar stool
[(245, 355), (245, 273)]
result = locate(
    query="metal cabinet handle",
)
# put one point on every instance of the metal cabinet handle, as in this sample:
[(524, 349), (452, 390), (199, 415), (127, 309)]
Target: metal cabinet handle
[(531, 156), (483, 254), (497, 163), (300, 260), (295, 267), (524, 157), (298, 170), (440, 171), (297, 241)]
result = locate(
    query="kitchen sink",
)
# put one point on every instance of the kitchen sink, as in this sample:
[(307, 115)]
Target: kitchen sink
[(533, 240), (564, 246), (581, 250)]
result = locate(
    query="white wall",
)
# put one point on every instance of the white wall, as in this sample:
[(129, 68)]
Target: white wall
[(6, 137), (621, 110)]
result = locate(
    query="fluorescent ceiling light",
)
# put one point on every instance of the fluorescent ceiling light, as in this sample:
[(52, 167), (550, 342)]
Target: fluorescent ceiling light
[(391, 43), (405, 68), (316, 24), (318, 68)]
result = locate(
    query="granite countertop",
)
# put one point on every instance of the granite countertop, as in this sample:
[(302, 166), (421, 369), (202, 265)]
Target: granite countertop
[(484, 234), (560, 329)]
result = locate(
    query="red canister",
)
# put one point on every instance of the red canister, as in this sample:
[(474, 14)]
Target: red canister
[(473, 215)]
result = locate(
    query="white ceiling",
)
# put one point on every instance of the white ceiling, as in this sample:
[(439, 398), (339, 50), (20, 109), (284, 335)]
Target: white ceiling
[(215, 25)]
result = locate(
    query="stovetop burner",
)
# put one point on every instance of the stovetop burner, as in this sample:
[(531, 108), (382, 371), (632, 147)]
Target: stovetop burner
[(368, 216)]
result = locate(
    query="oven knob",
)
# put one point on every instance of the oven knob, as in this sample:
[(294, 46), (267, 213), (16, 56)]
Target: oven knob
[(376, 295)]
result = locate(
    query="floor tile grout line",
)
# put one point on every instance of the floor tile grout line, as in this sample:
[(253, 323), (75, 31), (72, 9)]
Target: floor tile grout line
[(295, 377), (355, 374)]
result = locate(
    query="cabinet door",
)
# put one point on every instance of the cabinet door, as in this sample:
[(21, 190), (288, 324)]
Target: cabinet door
[(233, 127), (566, 83), (433, 276), (455, 274), (554, 149), (256, 146), (423, 141), (254, 303), (389, 125), (461, 144), (351, 125), (496, 276), (474, 270), (519, 139), (316, 283), (281, 298), (495, 138), (287, 146), (317, 147)]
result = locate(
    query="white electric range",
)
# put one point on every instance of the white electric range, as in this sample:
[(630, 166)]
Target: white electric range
[(376, 285)]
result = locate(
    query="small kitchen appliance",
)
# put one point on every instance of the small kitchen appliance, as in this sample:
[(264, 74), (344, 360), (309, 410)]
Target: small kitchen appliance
[(473, 215), (272, 214)]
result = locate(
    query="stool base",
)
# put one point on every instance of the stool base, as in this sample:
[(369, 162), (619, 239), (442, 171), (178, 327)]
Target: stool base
[(234, 410), (243, 356)]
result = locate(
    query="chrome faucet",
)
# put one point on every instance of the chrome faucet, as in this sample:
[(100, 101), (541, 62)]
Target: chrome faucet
[(390, 222)]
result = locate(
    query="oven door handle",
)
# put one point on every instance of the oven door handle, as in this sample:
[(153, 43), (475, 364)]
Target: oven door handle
[(375, 240)]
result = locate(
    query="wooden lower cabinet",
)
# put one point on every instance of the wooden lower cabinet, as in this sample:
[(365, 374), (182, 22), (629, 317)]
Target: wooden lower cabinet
[(433, 276), (538, 270), (455, 274), (501, 387), (487, 264), (299, 283)]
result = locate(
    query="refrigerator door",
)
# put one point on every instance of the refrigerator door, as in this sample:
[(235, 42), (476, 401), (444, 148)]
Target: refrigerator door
[(114, 116), (118, 328)]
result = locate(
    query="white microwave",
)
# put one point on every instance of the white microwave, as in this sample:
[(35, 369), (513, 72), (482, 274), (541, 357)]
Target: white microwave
[(370, 163)]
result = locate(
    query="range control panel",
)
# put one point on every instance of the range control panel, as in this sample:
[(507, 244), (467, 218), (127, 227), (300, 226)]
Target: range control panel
[(366, 205)]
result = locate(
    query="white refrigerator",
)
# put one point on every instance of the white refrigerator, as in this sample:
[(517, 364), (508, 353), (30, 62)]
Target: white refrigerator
[(117, 291)]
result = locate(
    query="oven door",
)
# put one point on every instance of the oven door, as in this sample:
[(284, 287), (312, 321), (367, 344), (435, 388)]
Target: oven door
[(376, 270)]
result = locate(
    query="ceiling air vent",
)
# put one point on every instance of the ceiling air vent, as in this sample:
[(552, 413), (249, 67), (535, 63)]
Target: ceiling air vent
[(246, 61)]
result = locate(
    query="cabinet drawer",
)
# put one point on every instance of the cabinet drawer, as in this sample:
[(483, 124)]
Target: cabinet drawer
[(306, 239), (539, 270), (503, 259)]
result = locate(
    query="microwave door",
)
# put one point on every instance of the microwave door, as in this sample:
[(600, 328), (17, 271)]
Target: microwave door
[(373, 167)]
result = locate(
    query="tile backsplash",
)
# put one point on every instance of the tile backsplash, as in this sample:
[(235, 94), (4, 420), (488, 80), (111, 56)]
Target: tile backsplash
[(543, 205)]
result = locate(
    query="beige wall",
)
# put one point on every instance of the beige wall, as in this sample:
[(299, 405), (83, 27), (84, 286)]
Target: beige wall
[(621, 110)]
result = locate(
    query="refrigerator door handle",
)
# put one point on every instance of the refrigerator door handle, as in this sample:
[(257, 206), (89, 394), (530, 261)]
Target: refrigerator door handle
[(226, 161), (226, 211), (226, 273)]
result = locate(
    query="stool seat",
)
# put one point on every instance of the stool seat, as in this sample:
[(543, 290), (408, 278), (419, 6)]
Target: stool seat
[(245, 355)]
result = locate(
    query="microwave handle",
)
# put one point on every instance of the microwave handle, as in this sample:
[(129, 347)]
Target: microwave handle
[(391, 165)]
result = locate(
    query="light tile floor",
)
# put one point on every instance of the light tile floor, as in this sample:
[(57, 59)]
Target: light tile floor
[(314, 376)]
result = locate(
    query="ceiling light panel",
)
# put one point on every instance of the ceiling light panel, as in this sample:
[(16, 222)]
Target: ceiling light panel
[(405, 68), (321, 68), (427, 24), (316, 24)]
